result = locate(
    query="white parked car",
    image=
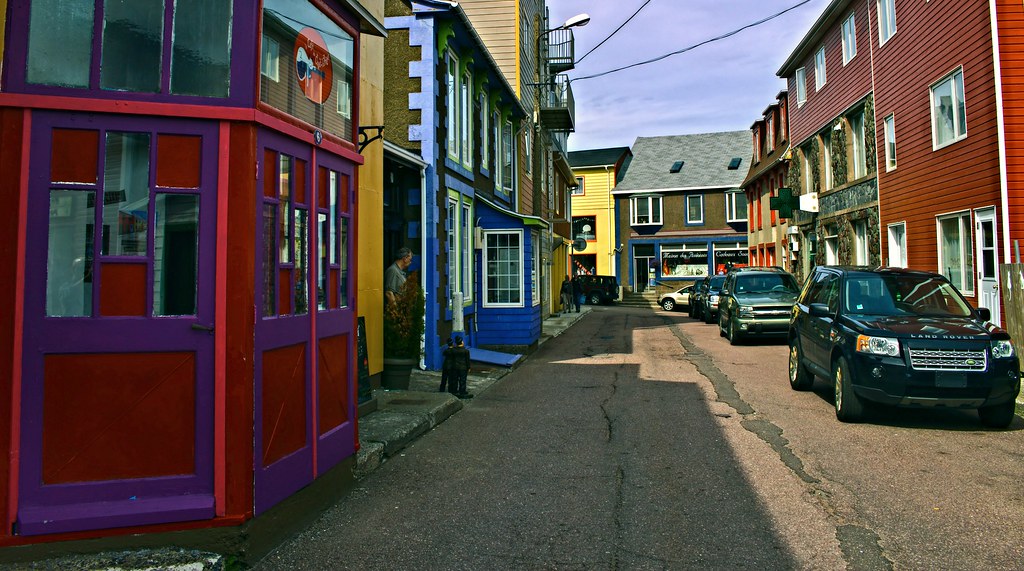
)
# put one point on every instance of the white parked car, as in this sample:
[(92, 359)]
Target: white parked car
[(676, 299)]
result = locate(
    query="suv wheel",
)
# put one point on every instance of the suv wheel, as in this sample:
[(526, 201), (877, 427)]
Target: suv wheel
[(709, 317), (997, 415), (800, 379), (667, 304), (595, 298), (734, 335), (849, 407)]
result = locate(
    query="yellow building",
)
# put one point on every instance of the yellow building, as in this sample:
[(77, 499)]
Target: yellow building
[(593, 209)]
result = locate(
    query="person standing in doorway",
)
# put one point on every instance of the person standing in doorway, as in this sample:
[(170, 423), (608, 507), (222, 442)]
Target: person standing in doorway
[(566, 294), (394, 275), (577, 293)]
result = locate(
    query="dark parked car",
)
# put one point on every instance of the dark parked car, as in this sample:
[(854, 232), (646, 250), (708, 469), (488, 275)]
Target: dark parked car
[(675, 299), (599, 289), (756, 301), (706, 306), (900, 337)]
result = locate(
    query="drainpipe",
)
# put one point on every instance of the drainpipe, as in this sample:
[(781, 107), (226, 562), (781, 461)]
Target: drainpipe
[(1004, 190), (423, 267)]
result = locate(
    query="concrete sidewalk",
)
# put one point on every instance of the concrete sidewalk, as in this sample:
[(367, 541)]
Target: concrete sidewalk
[(403, 416)]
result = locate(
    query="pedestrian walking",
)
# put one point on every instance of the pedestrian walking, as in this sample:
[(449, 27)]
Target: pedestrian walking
[(460, 368), (577, 293), (447, 379), (566, 294)]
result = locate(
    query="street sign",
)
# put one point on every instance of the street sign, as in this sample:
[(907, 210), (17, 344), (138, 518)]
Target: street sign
[(785, 202)]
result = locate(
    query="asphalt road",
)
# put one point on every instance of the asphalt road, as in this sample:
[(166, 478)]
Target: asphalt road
[(640, 439)]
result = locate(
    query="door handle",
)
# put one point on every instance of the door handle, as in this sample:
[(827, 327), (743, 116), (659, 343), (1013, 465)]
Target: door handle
[(201, 327)]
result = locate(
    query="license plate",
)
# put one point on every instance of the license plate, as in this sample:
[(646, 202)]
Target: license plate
[(951, 380)]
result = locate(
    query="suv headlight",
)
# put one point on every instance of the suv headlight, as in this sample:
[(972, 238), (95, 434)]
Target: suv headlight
[(878, 345), (714, 300), (1002, 349), (746, 311)]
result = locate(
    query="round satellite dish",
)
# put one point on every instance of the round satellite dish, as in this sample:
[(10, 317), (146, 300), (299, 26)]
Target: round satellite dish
[(579, 244)]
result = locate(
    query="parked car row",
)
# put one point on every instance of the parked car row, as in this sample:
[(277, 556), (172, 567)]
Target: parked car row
[(880, 336)]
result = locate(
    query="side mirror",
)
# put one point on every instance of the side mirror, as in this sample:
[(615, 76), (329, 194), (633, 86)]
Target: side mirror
[(819, 310), (984, 313), (725, 291)]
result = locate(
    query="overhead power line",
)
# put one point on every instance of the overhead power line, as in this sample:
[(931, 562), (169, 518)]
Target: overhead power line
[(694, 46), (615, 32)]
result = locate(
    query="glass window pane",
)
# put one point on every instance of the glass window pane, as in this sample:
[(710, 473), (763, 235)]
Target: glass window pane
[(334, 216), (175, 254), (126, 194), (69, 257), (133, 36), (60, 42), (201, 48), (942, 100), (961, 109), (343, 240), (324, 266), (301, 291), (284, 186), (269, 260), (270, 63)]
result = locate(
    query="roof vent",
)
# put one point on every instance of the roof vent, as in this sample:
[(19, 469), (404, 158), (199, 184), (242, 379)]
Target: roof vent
[(676, 167), (735, 163)]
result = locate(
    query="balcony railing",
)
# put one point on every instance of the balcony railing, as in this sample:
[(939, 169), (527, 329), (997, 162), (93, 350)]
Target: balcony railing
[(561, 52), (557, 106)]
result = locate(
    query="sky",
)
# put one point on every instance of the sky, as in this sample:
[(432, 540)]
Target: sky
[(721, 86)]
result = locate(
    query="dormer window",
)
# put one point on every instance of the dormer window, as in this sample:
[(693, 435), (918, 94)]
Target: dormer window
[(676, 167)]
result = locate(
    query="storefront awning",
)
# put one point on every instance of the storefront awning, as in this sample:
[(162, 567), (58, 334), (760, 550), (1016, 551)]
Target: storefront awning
[(525, 218)]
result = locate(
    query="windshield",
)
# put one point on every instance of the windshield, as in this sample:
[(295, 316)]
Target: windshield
[(926, 296), (716, 282), (765, 283)]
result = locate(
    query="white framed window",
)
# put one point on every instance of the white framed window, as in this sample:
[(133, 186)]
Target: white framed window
[(860, 242), (831, 245), (898, 245), (503, 268), (808, 173), (644, 210), (826, 159), (535, 270), (528, 150), (769, 132), (949, 111), (485, 133), (889, 124), (451, 234), (860, 159), (508, 152), (466, 120), (466, 245), (849, 39), (270, 63), (579, 190), (819, 68), (757, 146), (695, 209), (801, 86), (735, 206), (453, 106), (956, 250), (344, 99), (886, 20), (496, 137)]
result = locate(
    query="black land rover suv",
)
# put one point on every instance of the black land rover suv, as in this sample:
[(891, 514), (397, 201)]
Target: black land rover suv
[(900, 337)]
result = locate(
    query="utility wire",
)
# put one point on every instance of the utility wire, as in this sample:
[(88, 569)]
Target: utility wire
[(615, 32), (694, 46)]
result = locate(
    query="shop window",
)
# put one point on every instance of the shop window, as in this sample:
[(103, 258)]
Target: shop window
[(135, 37), (318, 56), (286, 217)]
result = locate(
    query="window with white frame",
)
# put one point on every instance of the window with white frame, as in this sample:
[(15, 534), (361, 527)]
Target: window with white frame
[(735, 206), (898, 245), (535, 270), (769, 132), (578, 191), (886, 20), (270, 63), (453, 105), (860, 160), (949, 112), (695, 209), (466, 245), (466, 120), (451, 231), (808, 172), (528, 150), (819, 68), (860, 242), (508, 155), (485, 133), (801, 86), (496, 137), (889, 124), (831, 245), (849, 39), (644, 210), (956, 250), (503, 269), (826, 159), (344, 99)]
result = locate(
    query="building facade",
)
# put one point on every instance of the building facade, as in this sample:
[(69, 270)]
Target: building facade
[(680, 209), (184, 323), (768, 237), (597, 172)]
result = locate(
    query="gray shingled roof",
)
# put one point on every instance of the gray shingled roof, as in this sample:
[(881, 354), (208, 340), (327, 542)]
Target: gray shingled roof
[(705, 156)]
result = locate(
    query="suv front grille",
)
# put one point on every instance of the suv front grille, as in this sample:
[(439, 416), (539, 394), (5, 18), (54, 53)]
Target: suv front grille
[(769, 312), (948, 360)]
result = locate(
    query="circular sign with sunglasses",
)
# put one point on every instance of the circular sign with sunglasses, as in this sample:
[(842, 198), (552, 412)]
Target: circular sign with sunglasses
[(313, 66)]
